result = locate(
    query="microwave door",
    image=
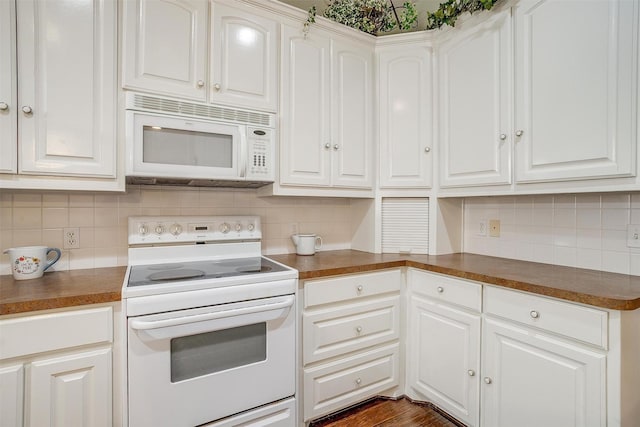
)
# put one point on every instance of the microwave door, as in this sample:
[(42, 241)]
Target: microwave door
[(185, 148)]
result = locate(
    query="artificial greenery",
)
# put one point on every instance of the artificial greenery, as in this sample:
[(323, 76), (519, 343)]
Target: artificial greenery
[(379, 16), (370, 16), (449, 11)]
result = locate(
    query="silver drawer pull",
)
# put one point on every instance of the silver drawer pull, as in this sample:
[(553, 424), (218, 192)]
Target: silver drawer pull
[(471, 373), (487, 380), (359, 329), (440, 289), (358, 381), (359, 288), (534, 314)]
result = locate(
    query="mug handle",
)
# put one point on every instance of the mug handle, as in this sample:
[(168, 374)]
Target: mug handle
[(318, 245), (54, 260)]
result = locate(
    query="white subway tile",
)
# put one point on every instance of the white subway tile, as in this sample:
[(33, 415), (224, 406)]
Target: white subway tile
[(81, 217), (564, 218), (634, 264), (27, 218), (81, 200), (588, 218), (106, 217), (564, 256), (588, 201), (616, 262), (55, 217), (55, 200), (27, 200), (588, 258), (615, 219), (564, 201), (564, 236), (587, 238), (614, 240), (616, 201), (81, 258)]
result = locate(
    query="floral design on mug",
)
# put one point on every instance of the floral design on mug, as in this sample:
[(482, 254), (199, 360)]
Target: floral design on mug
[(26, 264)]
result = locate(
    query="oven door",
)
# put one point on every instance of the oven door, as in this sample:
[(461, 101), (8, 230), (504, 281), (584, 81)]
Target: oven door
[(194, 366), (179, 147)]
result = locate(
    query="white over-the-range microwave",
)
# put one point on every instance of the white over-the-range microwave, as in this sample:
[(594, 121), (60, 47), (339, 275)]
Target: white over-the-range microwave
[(175, 142)]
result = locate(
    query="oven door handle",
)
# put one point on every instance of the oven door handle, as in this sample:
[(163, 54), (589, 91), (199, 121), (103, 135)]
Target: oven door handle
[(139, 324)]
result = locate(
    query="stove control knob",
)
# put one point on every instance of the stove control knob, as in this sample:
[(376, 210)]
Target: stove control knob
[(224, 227), (238, 227), (159, 229), (251, 227), (142, 229), (176, 229)]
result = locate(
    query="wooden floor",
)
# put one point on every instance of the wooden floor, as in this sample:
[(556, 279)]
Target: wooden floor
[(387, 413)]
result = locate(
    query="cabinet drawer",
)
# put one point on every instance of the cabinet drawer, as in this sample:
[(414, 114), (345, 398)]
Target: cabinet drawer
[(55, 331), (342, 383), (336, 331), (345, 288), (571, 320), (447, 289)]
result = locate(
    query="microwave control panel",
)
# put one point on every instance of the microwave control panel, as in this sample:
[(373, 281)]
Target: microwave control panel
[(260, 152)]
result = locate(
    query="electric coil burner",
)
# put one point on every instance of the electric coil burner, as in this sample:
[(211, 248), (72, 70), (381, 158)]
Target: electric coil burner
[(210, 324)]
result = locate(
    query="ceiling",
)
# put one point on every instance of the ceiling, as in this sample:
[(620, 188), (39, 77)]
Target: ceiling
[(422, 6)]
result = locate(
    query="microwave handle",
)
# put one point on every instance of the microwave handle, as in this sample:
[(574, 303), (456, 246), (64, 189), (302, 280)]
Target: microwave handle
[(139, 324), (244, 154)]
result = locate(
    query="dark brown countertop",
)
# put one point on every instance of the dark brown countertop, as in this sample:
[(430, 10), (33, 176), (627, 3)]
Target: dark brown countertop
[(59, 289), (597, 288)]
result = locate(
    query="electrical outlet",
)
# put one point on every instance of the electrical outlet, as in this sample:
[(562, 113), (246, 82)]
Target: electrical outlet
[(71, 238), (482, 227), (633, 235), (494, 227)]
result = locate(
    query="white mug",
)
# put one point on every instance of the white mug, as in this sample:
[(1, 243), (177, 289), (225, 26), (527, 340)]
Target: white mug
[(30, 262), (306, 244)]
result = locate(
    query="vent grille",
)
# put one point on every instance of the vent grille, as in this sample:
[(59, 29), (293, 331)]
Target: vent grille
[(405, 225), (184, 108)]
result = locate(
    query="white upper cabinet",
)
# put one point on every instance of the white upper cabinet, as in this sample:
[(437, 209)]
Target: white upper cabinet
[(475, 104), (576, 89), (326, 112), (352, 114), (244, 59), (405, 117), (65, 107), (165, 47), (8, 87), (305, 132)]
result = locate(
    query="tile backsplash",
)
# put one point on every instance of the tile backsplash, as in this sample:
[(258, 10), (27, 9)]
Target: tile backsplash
[(584, 230), (32, 218)]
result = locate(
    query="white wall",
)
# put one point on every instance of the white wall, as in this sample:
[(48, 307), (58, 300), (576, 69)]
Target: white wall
[(34, 218), (584, 230)]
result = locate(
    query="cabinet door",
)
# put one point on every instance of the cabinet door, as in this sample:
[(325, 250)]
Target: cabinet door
[(475, 91), (352, 113), (244, 59), (71, 390), (532, 380), (305, 142), (8, 96), (576, 91), (11, 395), (67, 87), (444, 357), (165, 47), (406, 139)]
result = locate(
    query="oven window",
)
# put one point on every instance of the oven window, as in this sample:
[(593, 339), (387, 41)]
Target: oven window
[(186, 148), (197, 355)]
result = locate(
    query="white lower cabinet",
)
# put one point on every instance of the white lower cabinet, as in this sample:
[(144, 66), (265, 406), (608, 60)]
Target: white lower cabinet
[(532, 379), (62, 374), (350, 340), (279, 414), (443, 345)]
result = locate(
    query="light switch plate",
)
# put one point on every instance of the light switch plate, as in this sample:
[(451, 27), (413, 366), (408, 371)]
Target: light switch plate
[(494, 228), (633, 235)]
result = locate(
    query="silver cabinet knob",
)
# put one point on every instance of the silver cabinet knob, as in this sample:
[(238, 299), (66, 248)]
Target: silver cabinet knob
[(534, 314), (159, 229), (200, 83), (4, 106), (216, 86), (224, 228), (251, 227), (358, 381), (440, 289), (27, 110), (519, 132), (327, 145), (142, 230), (176, 229), (427, 149), (336, 147), (471, 373), (487, 380), (359, 288), (503, 136), (359, 329)]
